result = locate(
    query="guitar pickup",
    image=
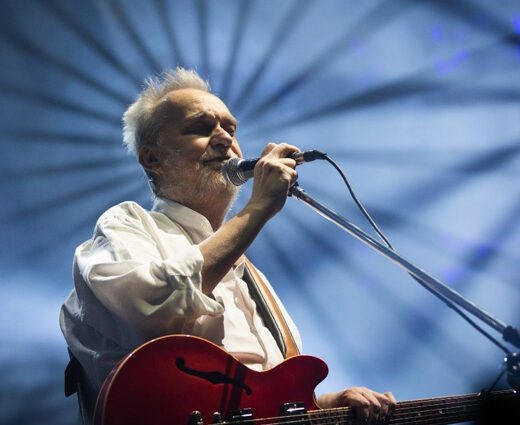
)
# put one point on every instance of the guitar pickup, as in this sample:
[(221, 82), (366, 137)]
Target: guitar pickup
[(295, 409), (239, 415)]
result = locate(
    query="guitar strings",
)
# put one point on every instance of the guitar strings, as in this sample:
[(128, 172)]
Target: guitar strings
[(466, 401), (348, 419), (431, 412), (456, 397), (345, 415), (403, 409), (423, 420), (427, 416)]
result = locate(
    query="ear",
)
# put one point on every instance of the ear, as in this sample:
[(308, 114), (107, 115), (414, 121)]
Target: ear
[(149, 159)]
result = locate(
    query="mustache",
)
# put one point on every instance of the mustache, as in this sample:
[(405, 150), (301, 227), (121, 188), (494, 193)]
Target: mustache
[(223, 154)]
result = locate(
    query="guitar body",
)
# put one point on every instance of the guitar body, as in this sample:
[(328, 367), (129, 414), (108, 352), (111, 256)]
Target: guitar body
[(163, 381), (166, 379)]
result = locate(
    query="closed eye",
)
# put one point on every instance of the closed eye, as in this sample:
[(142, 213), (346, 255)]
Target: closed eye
[(230, 130), (200, 127)]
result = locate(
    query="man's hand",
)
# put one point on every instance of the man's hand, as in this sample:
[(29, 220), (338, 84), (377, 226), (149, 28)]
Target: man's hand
[(370, 408), (274, 175)]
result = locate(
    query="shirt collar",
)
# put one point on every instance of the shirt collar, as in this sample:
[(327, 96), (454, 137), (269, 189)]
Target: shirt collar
[(196, 225)]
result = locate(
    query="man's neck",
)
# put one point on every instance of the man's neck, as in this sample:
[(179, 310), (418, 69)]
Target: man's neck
[(214, 214), (213, 206)]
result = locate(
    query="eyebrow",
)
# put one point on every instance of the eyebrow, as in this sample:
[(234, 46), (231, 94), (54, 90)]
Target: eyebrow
[(201, 115)]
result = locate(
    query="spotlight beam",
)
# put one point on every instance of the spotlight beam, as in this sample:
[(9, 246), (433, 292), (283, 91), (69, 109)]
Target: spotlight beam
[(51, 100), (439, 159), (475, 261), (379, 16), (422, 81), (414, 320), (393, 218), (78, 27), (121, 16), (178, 58), (333, 329), (46, 56), (287, 25), (25, 214), (71, 229), (243, 14), (479, 17), (202, 14), (382, 94), (72, 168), (427, 192), (482, 256), (56, 137)]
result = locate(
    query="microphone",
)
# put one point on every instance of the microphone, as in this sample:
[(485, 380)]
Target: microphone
[(238, 170)]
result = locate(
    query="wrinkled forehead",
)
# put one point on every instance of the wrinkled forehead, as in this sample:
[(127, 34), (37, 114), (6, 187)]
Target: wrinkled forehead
[(185, 103)]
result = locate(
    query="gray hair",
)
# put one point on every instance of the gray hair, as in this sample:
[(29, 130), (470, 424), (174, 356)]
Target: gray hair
[(142, 120)]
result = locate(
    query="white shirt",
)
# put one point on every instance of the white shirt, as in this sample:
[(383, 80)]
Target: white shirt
[(139, 277)]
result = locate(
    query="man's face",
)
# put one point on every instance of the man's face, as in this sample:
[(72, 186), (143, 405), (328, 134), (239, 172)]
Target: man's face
[(198, 137)]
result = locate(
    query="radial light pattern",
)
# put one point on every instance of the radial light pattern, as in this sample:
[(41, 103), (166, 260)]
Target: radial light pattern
[(416, 100)]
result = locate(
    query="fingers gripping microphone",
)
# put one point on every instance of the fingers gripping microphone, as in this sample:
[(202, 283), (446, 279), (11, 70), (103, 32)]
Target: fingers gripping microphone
[(237, 170)]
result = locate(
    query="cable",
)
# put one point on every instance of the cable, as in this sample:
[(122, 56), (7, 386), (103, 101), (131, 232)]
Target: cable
[(358, 203), (389, 245), (495, 382)]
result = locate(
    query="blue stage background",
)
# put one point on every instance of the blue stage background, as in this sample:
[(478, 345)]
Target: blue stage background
[(417, 100)]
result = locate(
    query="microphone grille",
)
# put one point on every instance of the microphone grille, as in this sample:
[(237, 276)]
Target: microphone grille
[(232, 172)]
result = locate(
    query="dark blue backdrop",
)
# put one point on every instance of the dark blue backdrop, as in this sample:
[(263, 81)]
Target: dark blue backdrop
[(417, 100)]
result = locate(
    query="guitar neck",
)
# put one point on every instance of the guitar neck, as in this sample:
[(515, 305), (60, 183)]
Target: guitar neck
[(431, 411)]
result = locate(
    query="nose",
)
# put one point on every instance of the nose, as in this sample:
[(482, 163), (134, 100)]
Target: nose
[(220, 137)]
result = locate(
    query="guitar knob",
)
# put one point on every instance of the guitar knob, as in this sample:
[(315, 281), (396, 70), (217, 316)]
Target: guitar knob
[(195, 418), (217, 418)]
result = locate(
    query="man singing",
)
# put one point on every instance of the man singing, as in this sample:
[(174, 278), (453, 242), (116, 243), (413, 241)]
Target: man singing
[(179, 268)]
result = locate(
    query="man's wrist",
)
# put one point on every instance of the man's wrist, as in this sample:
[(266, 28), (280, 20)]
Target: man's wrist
[(259, 212)]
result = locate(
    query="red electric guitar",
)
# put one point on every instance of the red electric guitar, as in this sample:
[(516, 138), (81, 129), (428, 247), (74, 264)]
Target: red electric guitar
[(184, 380)]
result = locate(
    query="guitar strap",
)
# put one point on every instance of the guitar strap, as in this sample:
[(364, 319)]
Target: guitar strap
[(269, 310)]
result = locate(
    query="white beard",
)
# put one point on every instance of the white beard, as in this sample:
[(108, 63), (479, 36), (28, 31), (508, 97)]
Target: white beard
[(210, 188)]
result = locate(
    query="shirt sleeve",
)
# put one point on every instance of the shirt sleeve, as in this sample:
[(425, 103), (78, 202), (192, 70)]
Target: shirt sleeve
[(128, 272)]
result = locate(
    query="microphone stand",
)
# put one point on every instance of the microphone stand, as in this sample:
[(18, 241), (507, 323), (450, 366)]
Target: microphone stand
[(509, 333)]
